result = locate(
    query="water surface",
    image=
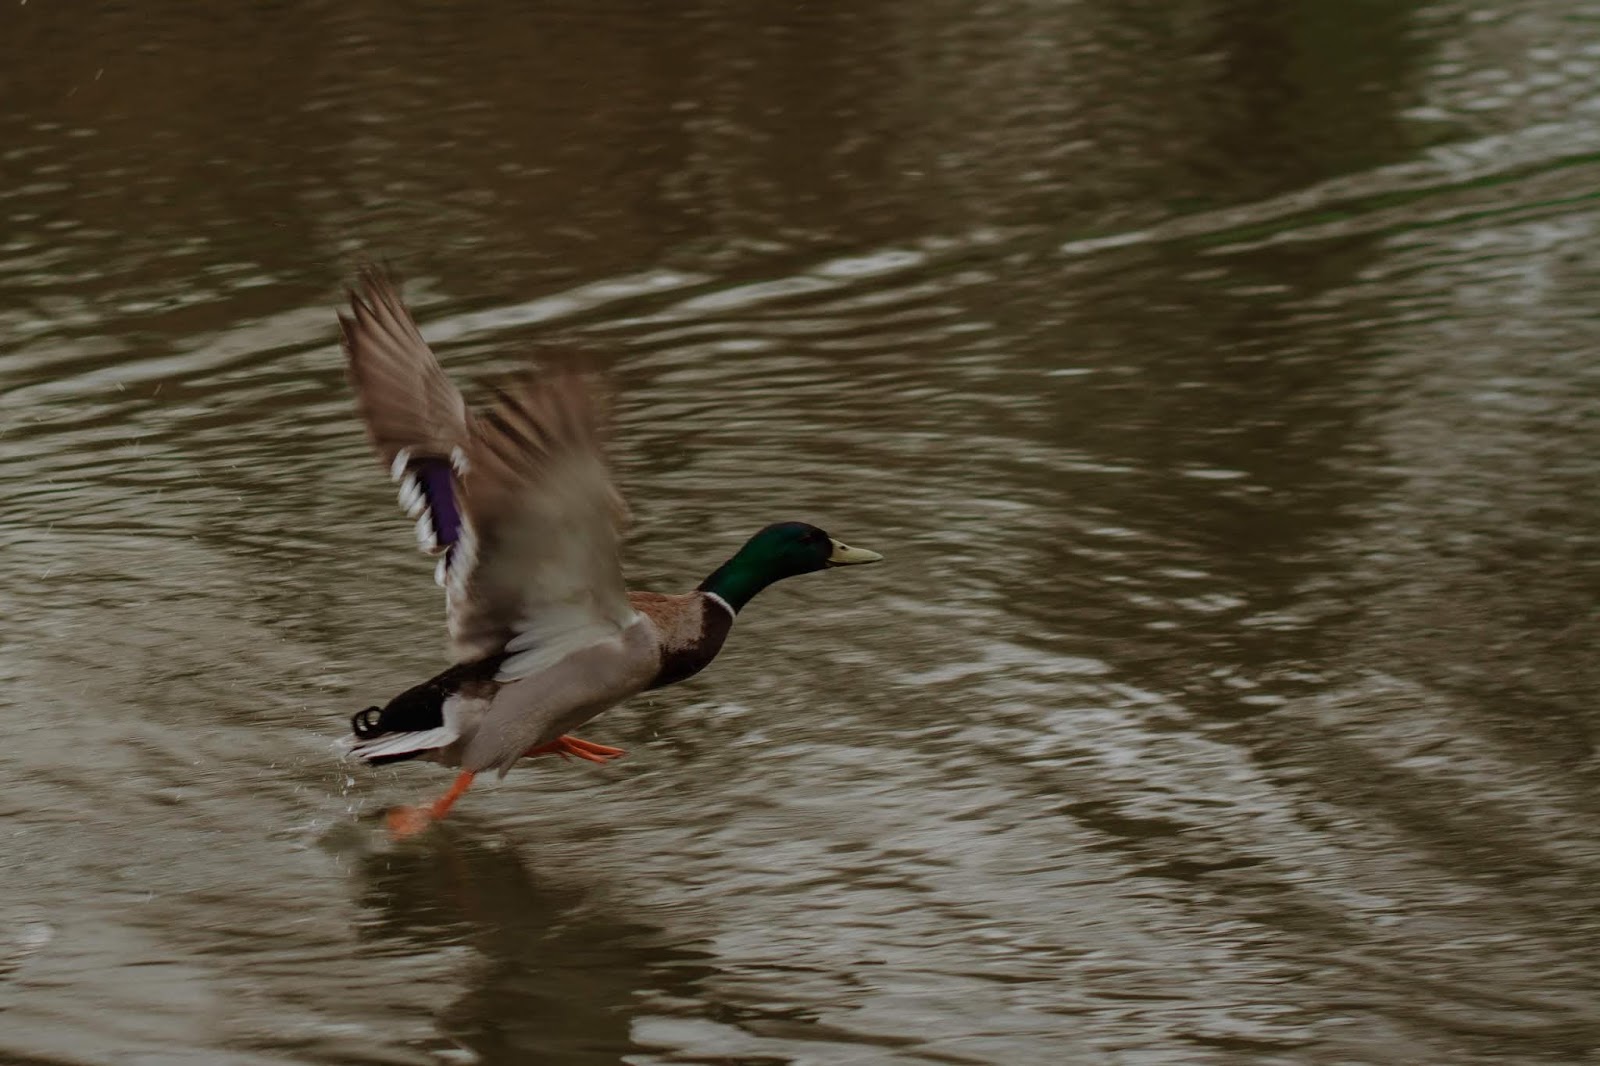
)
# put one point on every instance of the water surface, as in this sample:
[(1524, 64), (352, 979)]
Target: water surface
[(1218, 377)]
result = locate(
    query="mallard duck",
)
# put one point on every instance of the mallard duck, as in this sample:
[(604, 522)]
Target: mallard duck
[(517, 502)]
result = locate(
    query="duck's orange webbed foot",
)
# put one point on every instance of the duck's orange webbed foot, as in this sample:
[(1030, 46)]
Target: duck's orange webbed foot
[(406, 822), (567, 746)]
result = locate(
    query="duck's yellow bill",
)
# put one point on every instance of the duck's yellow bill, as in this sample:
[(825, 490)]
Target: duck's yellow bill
[(844, 555)]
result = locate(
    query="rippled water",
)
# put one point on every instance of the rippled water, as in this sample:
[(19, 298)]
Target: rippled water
[(1219, 377)]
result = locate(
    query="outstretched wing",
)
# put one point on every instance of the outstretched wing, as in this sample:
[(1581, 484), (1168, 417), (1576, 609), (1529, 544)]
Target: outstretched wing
[(416, 419), (537, 575)]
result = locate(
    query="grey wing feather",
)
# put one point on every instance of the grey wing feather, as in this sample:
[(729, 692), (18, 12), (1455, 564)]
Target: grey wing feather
[(540, 574), (402, 393), (536, 709)]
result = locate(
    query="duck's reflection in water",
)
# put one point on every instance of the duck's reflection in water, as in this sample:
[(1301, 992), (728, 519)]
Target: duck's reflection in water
[(560, 975)]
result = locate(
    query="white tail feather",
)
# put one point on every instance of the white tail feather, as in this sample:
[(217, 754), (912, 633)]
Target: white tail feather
[(404, 743)]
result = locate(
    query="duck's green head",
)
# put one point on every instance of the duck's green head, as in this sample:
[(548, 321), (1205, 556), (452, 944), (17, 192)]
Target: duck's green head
[(783, 549)]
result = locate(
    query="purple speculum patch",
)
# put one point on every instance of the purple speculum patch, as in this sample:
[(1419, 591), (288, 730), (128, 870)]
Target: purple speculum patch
[(436, 479)]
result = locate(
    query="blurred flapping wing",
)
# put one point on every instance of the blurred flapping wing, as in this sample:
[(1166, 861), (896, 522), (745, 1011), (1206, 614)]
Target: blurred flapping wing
[(537, 573), (416, 419)]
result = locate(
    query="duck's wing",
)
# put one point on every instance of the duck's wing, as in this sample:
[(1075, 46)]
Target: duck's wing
[(416, 419), (537, 575)]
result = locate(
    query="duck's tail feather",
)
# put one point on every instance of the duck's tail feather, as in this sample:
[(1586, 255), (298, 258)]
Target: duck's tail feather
[(394, 747), (425, 717), (417, 721)]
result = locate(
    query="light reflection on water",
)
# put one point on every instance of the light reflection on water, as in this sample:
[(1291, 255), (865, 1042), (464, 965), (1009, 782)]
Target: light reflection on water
[(1219, 386)]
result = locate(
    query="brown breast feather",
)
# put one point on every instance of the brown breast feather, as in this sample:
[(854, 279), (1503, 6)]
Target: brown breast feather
[(692, 630)]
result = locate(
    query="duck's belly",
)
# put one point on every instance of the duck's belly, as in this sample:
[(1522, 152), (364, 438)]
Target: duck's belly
[(532, 711)]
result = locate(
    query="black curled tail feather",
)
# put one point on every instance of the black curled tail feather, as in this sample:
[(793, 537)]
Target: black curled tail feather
[(367, 724), (421, 707), (413, 711)]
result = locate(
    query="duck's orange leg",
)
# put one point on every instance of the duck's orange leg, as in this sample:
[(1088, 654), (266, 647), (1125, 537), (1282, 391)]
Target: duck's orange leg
[(406, 822), (567, 746)]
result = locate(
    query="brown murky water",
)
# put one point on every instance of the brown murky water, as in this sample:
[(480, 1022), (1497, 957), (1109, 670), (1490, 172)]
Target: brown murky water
[(1220, 377)]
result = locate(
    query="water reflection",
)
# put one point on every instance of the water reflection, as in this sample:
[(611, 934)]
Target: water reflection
[(1216, 376), (553, 971)]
